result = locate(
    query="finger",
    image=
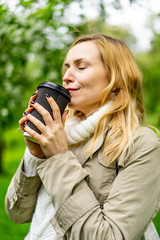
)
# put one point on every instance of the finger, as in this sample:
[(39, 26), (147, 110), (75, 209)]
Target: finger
[(37, 123), (44, 113), (32, 133), (33, 97), (28, 110), (22, 123), (55, 109)]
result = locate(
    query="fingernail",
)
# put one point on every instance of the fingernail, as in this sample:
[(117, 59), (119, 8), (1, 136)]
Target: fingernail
[(26, 113), (32, 102), (47, 95)]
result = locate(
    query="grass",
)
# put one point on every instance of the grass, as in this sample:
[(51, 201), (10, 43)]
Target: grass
[(13, 153)]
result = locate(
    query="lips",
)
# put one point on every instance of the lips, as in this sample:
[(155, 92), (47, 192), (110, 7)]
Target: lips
[(72, 89)]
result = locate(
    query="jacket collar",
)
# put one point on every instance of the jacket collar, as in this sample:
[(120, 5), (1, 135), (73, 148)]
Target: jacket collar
[(83, 156)]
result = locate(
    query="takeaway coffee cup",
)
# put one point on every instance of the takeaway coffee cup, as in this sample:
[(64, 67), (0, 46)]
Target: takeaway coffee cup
[(61, 96)]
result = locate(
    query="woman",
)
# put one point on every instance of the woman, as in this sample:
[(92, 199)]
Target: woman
[(96, 174)]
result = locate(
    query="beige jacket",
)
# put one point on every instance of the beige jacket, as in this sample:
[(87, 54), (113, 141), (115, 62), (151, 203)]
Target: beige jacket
[(91, 202)]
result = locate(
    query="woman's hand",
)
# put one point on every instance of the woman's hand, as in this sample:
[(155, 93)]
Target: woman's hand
[(52, 139), (34, 148)]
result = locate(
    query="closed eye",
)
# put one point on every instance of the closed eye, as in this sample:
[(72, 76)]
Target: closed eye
[(81, 68)]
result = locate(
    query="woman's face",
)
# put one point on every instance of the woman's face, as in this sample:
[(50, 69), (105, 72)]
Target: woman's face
[(85, 76)]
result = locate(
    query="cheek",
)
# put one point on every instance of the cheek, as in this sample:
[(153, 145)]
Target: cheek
[(95, 82)]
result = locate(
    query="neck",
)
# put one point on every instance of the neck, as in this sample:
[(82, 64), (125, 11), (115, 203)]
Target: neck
[(88, 111)]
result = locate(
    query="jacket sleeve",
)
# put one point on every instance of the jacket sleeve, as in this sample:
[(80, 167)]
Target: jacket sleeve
[(133, 201), (21, 196)]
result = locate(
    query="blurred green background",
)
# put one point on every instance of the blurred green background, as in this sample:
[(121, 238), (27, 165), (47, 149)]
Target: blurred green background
[(34, 38)]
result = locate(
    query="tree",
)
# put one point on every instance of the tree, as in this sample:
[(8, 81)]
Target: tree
[(149, 63), (33, 43), (30, 53), (98, 25)]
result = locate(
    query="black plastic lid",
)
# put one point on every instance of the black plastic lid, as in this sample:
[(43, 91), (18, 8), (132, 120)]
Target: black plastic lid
[(56, 87)]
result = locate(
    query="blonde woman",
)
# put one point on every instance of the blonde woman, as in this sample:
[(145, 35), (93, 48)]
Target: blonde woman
[(95, 174)]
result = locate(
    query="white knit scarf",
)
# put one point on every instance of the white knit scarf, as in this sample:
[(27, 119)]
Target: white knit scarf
[(77, 130)]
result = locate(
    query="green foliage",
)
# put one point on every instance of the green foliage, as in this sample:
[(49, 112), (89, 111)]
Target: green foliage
[(13, 153), (99, 26), (149, 63), (33, 44), (30, 53)]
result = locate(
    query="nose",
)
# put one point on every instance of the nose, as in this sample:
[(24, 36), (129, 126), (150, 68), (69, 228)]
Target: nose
[(68, 76)]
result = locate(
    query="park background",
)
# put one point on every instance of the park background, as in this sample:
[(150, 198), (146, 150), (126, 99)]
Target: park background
[(34, 38)]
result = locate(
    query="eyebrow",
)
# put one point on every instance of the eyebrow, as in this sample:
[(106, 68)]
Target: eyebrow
[(75, 61)]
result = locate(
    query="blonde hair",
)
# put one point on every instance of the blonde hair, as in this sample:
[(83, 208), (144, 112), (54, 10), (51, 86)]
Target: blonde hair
[(125, 90)]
